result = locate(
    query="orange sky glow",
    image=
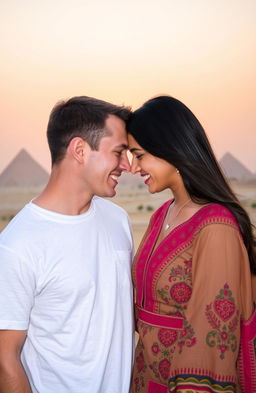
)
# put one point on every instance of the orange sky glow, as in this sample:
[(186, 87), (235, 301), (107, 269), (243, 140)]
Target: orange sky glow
[(200, 51)]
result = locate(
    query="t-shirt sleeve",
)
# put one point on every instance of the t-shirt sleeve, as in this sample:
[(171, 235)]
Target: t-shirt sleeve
[(17, 287)]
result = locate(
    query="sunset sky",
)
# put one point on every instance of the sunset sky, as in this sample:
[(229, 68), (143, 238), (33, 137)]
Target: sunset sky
[(200, 51)]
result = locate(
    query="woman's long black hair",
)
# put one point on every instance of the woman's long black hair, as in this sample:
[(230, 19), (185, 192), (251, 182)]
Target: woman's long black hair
[(166, 128)]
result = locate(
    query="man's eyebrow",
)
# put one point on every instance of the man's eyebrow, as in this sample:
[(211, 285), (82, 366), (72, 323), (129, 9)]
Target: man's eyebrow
[(135, 149), (123, 146)]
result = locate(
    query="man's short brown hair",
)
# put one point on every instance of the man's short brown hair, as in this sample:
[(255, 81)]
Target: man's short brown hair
[(82, 117)]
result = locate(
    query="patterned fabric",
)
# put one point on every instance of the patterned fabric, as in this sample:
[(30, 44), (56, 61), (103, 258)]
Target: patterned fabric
[(204, 383), (192, 292), (247, 358)]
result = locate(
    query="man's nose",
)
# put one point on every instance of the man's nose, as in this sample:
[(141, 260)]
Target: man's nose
[(135, 168), (124, 163)]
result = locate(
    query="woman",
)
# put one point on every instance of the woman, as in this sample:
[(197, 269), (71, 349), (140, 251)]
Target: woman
[(192, 272)]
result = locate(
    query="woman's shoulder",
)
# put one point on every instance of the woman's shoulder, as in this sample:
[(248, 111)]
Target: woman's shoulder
[(209, 214), (215, 213)]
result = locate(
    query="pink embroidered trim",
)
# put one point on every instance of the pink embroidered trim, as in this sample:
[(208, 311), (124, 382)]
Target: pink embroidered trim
[(144, 253), (203, 389), (166, 321), (247, 360)]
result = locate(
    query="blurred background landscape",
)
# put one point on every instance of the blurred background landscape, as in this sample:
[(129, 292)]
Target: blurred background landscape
[(23, 178)]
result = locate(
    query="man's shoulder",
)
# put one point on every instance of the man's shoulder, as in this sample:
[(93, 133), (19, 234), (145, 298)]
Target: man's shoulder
[(16, 222), (14, 234), (23, 230)]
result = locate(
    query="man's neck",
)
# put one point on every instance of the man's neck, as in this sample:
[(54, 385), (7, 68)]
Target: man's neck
[(63, 195)]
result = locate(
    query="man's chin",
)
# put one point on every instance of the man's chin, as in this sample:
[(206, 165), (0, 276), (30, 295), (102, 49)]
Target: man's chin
[(108, 194), (113, 193)]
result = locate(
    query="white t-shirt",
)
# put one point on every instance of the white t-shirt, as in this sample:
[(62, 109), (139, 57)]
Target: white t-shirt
[(66, 280)]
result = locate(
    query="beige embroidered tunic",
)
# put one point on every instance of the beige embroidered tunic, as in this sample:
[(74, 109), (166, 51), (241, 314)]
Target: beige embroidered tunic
[(191, 293)]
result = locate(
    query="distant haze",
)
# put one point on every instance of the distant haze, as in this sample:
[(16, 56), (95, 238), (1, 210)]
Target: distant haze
[(200, 51)]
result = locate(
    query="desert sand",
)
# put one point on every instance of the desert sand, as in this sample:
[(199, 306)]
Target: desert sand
[(138, 203)]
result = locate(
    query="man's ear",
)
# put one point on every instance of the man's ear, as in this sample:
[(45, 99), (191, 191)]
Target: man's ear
[(78, 149)]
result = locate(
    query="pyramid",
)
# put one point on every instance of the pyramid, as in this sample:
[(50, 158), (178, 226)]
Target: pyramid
[(234, 169), (23, 171)]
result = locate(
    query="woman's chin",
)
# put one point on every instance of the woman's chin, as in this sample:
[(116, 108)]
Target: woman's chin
[(152, 189)]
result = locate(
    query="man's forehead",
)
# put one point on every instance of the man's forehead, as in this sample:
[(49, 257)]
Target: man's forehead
[(118, 140), (114, 121), (117, 136)]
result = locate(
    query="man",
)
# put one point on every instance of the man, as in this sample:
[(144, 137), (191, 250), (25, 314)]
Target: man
[(65, 288)]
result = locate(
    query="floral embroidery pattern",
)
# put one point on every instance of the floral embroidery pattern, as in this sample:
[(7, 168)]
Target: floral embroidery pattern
[(182, 273), (180, 279), (167, 336), (176, 294), (223, 309), (181, 292), (154, 367), (141, 367), (139, 383), (164, 368), (162, 349), (163, 294), (186, 337), (155, 348), (170, 341), (144, 328), (140, 363)]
